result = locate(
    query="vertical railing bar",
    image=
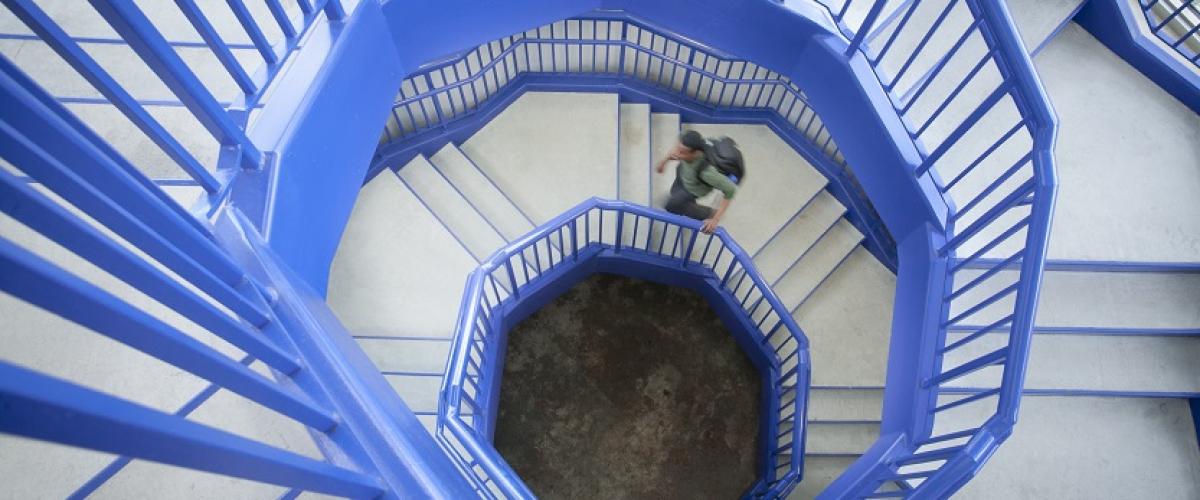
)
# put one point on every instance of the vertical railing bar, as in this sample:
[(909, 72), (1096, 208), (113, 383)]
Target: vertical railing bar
[(193, 14), (81, 61), (144, 38), (921, 46), (1028, 158), (334, 10), (866, 26), (988, 152), (20, 111), (281, 17), (923, 83), (958, 132), (896, 32), (252, 30)]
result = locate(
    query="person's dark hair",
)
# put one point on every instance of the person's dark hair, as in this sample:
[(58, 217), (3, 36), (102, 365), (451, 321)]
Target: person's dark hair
[(692, 140)]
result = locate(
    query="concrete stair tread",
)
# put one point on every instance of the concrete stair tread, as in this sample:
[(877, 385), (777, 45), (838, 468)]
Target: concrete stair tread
[(664, 133), (1139, 364), (778, 182), (1036, 20), (840, 437), (845, 404), (1092, 447), (1092, 299), (575, 158), (370, 279), (798, 235), (1126, 156), (451, 208), (634, 144), (468, 179), (412, 356), (817, 263), (819, 472), (848, 323), (419, 392)]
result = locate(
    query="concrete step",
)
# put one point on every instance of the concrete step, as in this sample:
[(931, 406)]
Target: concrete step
[(469, 180), (1091, 447), (845, 404), (778, 182), (1127, 155), (398, 272), (798, 235), (457, 213), (634, 144), (1138, 364), (848, 321), (840, 438), (1037, 20), (407, 356), (550, 151), (419, 392), (819, 471), (1091, 299), (664, 133), (811, 268)]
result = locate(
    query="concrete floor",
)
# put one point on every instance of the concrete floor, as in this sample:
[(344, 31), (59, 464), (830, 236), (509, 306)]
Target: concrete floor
[(627, 389)]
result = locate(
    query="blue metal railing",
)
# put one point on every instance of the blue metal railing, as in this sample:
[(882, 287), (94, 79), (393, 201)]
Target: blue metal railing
[(470, 389), (212, 279), (962, 83), (608, 46), (1177, 24), (150, 44), (455, 88)]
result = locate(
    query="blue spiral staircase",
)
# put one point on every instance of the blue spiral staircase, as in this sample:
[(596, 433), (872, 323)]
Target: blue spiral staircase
[(274, 248)]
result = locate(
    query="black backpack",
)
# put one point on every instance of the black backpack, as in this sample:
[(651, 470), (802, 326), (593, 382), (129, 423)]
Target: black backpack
[(724, 154)]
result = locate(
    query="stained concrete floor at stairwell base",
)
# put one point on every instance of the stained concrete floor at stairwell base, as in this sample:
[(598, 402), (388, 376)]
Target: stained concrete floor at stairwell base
[(622, 388)]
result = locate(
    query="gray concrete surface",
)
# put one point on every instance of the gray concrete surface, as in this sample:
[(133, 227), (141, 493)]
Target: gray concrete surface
[(628, 389)]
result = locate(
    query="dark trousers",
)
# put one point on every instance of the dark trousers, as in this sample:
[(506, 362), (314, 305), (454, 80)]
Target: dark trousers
[(684, 203)]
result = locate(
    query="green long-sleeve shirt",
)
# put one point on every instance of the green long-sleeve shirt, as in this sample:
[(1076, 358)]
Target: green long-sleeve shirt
[(700, 178)]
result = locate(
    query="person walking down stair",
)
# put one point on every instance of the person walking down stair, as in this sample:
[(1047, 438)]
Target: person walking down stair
[(695, 177)]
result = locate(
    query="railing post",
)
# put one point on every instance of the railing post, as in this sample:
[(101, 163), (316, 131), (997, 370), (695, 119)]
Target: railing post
[(865, 28), (574, 241), (687, 257), (512, 278), (620, 229), (334, 10)]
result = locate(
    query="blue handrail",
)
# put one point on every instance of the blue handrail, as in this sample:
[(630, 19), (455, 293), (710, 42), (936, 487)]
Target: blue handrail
[(468, 397), (967, 81)]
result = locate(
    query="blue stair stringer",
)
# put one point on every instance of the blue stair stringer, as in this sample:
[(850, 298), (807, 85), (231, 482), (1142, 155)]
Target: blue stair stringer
[(250, 268), (621, 238)]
